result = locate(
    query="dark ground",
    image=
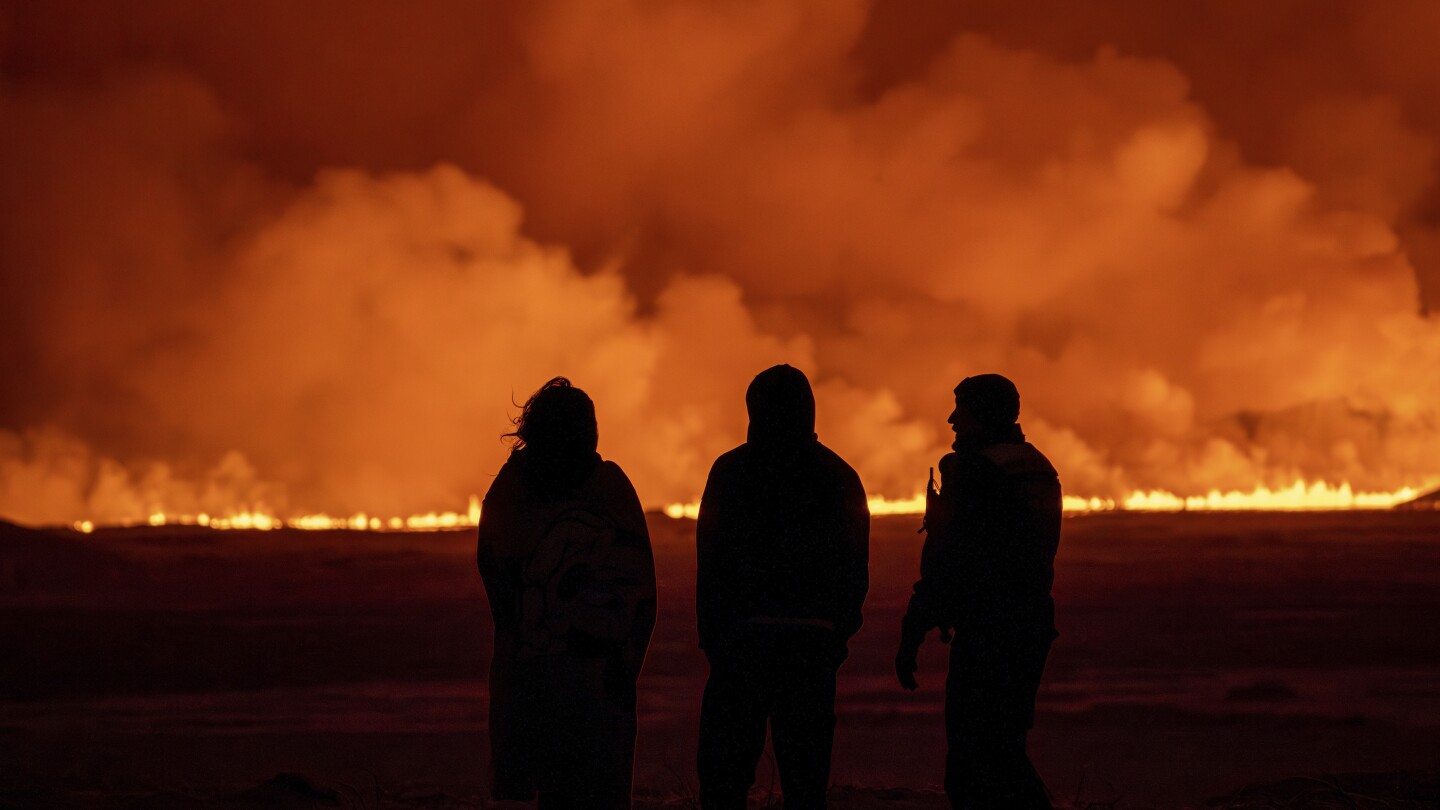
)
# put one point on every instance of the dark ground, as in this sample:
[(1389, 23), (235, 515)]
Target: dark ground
[(1199, 653)]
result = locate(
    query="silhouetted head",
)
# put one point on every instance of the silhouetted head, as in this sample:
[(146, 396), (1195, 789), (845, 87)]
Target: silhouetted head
[(985, 405), (781, 405), (558, 421)]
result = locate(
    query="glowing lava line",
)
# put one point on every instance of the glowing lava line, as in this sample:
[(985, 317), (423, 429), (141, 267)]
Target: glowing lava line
[(1298, 497), (264, 520)]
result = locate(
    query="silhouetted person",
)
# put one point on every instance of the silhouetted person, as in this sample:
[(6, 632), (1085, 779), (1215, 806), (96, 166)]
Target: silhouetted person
[(782, 548), (566, 560), (985, 575)]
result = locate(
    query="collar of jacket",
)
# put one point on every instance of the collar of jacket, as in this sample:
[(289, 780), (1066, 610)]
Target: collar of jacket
[(1010, 434)]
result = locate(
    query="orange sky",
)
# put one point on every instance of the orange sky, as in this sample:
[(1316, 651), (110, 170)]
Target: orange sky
[(306, 254)]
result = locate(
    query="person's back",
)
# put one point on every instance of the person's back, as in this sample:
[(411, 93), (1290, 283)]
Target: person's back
[(778, 542), (565, 556), (782, 548)]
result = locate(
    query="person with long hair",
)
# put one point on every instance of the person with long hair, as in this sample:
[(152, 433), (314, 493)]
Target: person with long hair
[(565, 556)]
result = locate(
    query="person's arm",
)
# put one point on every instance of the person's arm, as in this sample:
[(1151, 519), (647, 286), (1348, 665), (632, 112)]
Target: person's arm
[(495, 517), (707, 551), (856, 528), (932, 604), (634, 534)]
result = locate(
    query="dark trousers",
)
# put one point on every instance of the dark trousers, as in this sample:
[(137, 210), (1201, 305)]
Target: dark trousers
[(989, 710), (783, 674), (562, 728)]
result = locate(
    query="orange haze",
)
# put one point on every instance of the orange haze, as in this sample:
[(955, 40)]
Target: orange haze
[(302, 256)]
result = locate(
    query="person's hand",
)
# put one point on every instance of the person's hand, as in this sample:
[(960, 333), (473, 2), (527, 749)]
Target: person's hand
[(905, 665)]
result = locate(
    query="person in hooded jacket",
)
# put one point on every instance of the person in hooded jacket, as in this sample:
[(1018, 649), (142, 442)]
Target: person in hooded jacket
[(782, 547), (985, 575), (565, 556)]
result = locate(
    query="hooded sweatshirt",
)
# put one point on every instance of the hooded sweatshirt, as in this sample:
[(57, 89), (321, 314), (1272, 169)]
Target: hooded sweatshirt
[(783, 533)]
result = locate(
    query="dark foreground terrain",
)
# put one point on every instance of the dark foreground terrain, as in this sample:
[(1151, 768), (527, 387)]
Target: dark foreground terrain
[(1199, 653)]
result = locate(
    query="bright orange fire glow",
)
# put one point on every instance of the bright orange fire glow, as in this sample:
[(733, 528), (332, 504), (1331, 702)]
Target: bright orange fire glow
[(1207, 260), (1298, 497), (264, 520)]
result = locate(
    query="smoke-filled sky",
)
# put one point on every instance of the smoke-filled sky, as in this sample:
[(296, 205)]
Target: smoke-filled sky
[(306, 255)]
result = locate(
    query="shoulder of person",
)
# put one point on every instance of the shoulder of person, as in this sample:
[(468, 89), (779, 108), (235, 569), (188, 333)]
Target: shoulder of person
[(611, 487), (610, 478), (505, 481), (967, 466), (1018, 458), (838, 465), (729, 460), (608, 470)]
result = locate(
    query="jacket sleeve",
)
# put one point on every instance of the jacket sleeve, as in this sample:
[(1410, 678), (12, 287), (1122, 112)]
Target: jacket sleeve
[(936, 596), (635, 534), (709, 617), (501, 588), (856, 531)]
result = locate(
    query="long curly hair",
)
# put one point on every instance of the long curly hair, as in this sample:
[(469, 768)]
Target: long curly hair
[(557, 420)]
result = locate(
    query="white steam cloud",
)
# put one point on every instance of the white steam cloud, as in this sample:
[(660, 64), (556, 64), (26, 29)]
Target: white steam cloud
[(209, 305)]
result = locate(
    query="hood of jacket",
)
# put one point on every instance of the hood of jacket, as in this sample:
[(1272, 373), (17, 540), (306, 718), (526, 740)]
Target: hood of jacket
[(782, 408)]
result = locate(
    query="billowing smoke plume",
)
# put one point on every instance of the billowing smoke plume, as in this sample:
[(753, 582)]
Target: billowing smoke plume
[(308, 257)]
